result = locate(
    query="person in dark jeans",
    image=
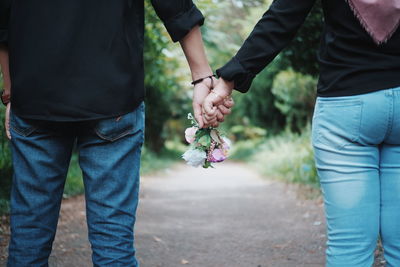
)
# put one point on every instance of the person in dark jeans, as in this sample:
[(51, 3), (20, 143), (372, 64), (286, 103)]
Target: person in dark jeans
[(73, 73), (356, 122)]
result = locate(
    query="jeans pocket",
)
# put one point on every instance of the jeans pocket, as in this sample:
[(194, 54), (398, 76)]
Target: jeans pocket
[(21, 126), (337, 121), (115, 128)]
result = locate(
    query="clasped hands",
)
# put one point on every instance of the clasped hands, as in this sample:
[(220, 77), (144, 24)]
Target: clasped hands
[(212, 105)]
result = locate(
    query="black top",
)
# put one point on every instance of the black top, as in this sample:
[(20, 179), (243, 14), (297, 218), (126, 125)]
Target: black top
[(79, 60), (350, 62)]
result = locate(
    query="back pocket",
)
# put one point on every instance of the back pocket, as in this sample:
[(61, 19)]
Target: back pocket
[(337, 121), (115, 128)]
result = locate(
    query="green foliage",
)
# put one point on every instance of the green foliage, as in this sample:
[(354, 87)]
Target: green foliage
[(226, 26), (74, 183), (256, 108), (164, 99), (152, 162), (289, 157), (301, 54), (241, 132), (5, 163), (245, 149), (294, 97)]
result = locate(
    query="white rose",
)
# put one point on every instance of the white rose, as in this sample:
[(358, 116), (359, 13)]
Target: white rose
[(195, 157)]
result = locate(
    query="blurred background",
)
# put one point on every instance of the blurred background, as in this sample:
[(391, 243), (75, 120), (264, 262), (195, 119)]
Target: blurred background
[(270, 125)]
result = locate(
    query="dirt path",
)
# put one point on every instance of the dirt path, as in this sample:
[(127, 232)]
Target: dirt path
[(227, 216)]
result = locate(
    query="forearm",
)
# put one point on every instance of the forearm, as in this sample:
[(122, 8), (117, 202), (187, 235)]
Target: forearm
[(4, 64), (272, 33), (193, 47)]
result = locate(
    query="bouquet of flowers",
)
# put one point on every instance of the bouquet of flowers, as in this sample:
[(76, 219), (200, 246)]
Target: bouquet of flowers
[(207, 145)]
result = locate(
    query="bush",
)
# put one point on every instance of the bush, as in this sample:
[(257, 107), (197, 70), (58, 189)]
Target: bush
[(295, 97), (5, 166), (289, 157), (242, 132), (246, 149)]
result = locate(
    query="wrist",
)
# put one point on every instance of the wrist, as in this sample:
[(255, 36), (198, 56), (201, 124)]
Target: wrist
[(224, 88), (201, 73), (208, 80)]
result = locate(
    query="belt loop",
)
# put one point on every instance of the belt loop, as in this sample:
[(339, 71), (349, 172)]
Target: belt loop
[(389, 92)]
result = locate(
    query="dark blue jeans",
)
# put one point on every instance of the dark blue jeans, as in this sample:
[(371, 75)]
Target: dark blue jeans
[(109, 156)]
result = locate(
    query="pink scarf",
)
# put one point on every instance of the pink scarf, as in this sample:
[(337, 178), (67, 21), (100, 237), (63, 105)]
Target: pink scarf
[(380, 18)]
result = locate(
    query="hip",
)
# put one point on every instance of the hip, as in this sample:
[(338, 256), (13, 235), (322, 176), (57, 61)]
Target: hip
[(367, 119)]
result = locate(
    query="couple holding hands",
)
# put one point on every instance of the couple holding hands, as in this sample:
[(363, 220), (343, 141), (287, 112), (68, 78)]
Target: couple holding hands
[(73, 76)]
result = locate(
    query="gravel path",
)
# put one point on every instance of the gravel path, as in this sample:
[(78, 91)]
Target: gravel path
[(226, 216)]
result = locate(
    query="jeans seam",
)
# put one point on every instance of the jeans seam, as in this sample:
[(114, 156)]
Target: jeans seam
[(112, 139), (23, 133), (390, 117), (357, 139)]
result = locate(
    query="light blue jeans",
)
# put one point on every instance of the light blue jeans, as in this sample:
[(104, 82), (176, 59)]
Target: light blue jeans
[(356, 141), (109, 155)]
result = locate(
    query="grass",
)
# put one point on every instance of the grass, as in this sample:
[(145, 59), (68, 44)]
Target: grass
[(245, 150), (288, 157), (152, 162), (74, 182)]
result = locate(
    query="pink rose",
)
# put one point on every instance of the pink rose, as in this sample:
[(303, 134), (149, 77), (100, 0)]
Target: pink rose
[(217, 155), (190, 134)]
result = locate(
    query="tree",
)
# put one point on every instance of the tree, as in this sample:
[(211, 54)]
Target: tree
[(161, 81), (301, 54)]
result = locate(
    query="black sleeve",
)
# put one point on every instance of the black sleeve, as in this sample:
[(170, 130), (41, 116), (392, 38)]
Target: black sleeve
[(272, 33), (179, 16), (4, 18)]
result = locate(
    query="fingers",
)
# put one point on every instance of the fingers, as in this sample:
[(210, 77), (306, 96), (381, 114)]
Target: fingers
[(224, 110), (209, 108), (229, 102), (220, 116), (200, 92), (215, 109), (209, 121), (198, 114), (7, 121)]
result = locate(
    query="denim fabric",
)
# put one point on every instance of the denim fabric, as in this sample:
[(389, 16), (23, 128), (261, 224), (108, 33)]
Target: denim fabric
[(356, 141), (109, 156)]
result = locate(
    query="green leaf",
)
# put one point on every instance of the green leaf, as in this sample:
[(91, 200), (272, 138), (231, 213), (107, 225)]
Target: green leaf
[(205, 141), (200, 133)]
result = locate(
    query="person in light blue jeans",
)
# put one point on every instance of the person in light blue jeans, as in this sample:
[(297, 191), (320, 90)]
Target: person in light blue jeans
[(356, 141)]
